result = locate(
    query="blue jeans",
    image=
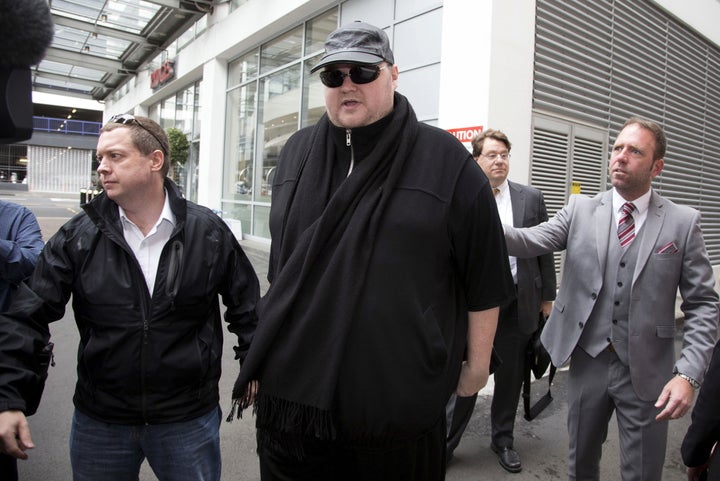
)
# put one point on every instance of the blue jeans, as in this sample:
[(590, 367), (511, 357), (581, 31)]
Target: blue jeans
[(185, 451)]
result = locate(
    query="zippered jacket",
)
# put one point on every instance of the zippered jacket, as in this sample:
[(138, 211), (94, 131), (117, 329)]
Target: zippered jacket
[(141, 359)]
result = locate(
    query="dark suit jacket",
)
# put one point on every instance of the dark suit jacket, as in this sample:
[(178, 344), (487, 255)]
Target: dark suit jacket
[(535, 275), (704, 431)]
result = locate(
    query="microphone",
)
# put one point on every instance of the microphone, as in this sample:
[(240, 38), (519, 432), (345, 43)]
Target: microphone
[(26, 31)]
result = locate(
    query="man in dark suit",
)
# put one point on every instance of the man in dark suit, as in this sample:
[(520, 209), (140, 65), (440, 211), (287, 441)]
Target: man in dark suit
[(628, 251), (521, 206)]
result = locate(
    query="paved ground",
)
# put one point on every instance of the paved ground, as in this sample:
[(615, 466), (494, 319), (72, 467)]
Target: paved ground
[(542, 443)]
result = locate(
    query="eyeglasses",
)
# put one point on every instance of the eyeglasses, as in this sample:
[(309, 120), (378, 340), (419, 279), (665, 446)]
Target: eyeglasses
[(126, 119), (495, 156), (359, 75)]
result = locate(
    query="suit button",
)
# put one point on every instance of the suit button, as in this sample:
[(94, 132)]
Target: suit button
[(580, 324), (619, 284), (614, 321), (622, 264), (594, 296), (617, 303)]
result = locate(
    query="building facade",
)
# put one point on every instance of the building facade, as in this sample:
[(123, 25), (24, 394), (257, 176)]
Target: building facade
[(558, 77)]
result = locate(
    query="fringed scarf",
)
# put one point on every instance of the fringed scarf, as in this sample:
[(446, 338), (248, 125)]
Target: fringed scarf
[(322, 256)]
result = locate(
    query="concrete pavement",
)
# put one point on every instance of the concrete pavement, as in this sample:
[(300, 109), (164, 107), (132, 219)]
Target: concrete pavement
[(542, 443)]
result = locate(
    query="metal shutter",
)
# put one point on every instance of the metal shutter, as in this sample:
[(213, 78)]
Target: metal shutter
[(565, 154), (598, 63)]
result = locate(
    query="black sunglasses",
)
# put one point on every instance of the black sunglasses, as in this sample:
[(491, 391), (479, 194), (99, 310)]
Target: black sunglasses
[(359, 75), (129, 119)]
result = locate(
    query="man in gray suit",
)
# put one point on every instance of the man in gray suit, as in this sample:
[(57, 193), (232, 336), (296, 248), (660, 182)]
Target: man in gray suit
[(628, 251), (521, 206)]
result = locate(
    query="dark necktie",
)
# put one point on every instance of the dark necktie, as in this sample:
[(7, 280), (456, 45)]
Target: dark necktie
[(626, 226)]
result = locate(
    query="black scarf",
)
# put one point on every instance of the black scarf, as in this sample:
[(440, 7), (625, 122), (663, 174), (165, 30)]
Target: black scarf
[(322, 255)]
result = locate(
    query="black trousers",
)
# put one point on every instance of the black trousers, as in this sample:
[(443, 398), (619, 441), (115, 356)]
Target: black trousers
[(510, 345), (420, 459)]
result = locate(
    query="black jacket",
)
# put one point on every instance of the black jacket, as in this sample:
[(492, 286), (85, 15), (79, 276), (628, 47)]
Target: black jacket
[(141, 359)]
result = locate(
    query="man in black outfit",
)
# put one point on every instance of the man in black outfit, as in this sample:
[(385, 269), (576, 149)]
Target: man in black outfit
[(387, 263)]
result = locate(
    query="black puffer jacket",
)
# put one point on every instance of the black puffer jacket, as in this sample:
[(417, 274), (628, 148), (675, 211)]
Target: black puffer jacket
[(140, 359)]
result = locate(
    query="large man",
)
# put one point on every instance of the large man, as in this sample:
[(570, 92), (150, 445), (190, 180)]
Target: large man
[(628, 251), (387, 256), (144, 268), (520, 206), (20, 245)]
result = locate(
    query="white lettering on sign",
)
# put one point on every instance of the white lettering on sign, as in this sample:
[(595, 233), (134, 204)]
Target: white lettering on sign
[(466, 134)]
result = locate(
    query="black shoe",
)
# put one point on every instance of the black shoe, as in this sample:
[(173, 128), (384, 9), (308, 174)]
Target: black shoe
[(509, 458)]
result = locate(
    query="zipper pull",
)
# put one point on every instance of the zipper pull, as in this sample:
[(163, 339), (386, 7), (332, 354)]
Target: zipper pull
[(348, 142)]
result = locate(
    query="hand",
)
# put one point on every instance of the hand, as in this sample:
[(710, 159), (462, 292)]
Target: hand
[(15, 434), (693, 474), (546, 308), (676, 397), (472, 379)]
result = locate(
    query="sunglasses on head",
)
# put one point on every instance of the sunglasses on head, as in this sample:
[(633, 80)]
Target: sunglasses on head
[(126, 119), (358, 74)]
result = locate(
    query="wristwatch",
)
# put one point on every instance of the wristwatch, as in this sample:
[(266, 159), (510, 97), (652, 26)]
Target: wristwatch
[(692, 381)]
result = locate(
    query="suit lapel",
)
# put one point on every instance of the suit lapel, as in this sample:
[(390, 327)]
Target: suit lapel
[(603, 219), (651, 231), (517, 201)]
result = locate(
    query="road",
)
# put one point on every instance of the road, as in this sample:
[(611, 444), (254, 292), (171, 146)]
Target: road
[(542, 443)]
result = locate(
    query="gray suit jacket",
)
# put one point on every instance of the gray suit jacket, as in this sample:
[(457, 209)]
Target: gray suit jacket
[(672, 256), (535, 275)]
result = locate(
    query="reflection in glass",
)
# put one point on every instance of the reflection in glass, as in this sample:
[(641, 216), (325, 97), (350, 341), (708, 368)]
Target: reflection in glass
[(281, 50), (235, 214), (260, 224), (313, 95), (279, 109), (239, 143), (243, 69), (317, 31)]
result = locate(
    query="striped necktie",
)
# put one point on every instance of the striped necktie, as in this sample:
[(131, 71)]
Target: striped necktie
[(626, 226)]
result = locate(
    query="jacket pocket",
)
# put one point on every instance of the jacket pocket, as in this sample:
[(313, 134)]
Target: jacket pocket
[(665, 332)]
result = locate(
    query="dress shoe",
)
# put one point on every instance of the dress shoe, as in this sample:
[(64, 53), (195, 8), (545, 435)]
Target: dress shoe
[(509, 458)]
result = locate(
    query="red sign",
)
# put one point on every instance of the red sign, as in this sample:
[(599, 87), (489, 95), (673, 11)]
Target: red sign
[(466, 134), (163, 75)]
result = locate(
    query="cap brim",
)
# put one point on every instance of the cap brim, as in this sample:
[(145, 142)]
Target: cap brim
[(347, 57)]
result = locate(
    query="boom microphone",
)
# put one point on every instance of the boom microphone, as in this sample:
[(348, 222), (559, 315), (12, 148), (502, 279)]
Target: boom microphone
[(26, 31)]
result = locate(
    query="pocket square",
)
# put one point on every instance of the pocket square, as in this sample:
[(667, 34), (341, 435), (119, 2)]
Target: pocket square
[(669, 248)]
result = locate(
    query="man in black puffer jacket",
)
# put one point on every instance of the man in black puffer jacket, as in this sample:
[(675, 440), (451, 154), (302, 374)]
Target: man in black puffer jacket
[(144, 268)]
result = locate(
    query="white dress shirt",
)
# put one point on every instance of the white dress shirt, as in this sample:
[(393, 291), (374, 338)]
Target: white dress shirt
[(147, 249), (504, 206)]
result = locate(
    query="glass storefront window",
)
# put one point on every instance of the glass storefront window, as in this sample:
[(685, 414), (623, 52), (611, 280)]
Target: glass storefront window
[(317, 31), (279, 109), (243, 69), (260, 224), (167, 113), (240, 143), (282, 50), (233, 213), (271, 94), (184, 109), (313, 95)]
